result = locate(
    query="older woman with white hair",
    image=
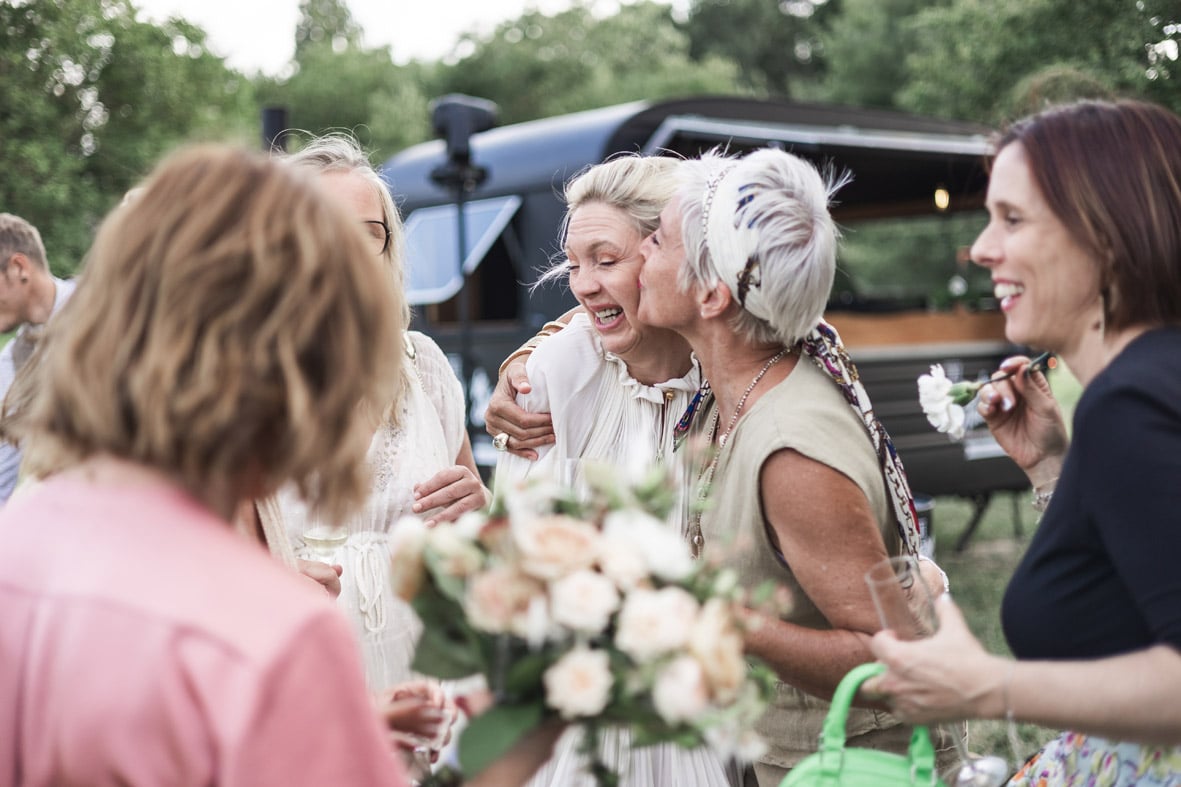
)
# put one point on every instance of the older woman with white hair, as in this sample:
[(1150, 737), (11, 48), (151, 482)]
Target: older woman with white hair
[(804, 486)]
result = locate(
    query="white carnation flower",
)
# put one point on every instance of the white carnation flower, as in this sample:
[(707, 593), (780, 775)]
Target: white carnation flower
[(938, 398), (730, 740)]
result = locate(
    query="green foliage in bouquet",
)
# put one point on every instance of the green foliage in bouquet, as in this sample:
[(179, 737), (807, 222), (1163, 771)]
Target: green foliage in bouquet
[(585, 605)]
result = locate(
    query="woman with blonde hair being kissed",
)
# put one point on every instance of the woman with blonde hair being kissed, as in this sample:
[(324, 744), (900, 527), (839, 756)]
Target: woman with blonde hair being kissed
[(615, 388)]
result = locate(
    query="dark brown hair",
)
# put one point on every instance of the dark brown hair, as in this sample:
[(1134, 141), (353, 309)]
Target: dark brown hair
[(1111, 173)]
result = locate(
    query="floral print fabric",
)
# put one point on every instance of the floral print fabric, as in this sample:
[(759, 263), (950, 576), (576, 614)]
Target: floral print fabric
[(1076, 760)]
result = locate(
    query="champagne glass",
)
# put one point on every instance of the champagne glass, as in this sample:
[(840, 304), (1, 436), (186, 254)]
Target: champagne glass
[(323, 541), (905, 605)]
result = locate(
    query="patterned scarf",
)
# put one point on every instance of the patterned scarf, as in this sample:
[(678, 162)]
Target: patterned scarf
[(823, 345), (732, 235)]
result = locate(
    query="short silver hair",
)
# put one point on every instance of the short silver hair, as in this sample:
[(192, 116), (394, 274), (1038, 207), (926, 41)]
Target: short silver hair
[(782, 222)]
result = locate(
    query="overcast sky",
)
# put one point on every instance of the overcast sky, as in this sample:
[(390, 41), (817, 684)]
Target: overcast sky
[(259, 35)]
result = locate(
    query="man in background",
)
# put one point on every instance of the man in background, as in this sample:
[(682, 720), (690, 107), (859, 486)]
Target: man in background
[(29, 296)]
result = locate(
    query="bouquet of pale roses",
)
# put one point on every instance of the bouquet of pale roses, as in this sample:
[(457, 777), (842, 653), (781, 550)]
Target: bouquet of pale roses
[(588, 607)]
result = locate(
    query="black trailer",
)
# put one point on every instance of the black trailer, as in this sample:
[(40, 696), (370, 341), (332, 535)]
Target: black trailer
[(903, 165)]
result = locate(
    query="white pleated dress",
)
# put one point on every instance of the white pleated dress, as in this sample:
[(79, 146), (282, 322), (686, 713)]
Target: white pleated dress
[(601, 413), (427, 440)]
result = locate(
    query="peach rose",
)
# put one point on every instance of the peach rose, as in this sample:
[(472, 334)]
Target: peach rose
[(579, 683), (717, 644), (554, 546), (498, 600)]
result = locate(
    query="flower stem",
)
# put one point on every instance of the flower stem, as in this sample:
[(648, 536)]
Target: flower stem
[(963, 392), (603, 775), (1038, 364)]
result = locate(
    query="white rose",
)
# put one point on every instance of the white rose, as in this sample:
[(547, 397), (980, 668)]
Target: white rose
[(662, 547), (532, 498), (535, 626), (498, 600), (554, 546), (584, 601), (579, 683), (680, 693), (654, 622), (407, 571), (718, 645), (733, 740), (470, 524), (457, 556), (621, 560)]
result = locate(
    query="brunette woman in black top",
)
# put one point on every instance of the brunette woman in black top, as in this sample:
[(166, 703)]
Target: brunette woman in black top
[(1084, 246)]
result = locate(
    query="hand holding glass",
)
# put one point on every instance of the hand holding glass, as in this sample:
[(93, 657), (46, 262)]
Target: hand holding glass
[(906, 605)]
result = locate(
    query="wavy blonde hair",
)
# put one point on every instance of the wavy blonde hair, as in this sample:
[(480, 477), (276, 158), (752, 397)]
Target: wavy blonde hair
[(639, 186), (340, 152), (226, 326)]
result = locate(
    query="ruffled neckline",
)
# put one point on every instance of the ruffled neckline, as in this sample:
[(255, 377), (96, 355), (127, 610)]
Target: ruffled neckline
[(689, 383)]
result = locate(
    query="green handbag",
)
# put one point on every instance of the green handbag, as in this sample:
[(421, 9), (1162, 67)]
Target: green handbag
[(836, 766)]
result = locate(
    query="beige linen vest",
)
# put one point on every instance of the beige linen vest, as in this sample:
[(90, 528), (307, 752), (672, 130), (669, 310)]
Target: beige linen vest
[(807, 413)]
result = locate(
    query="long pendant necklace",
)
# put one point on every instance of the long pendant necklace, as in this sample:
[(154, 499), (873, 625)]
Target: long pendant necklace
[(696, 539)]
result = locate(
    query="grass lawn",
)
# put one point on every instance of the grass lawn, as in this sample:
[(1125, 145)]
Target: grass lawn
[(978, 578), (981, 572)]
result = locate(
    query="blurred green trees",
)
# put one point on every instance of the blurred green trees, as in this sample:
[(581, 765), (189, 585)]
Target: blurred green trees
[(90, 99), (90, 96)]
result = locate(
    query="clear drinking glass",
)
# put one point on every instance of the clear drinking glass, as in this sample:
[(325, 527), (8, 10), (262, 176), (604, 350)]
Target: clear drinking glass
[(323, 541), (906, 605)]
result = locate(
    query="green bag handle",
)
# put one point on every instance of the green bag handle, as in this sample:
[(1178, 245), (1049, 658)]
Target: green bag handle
[(921, 754)]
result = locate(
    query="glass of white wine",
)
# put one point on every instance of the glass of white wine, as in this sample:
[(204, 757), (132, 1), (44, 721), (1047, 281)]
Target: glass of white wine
[(905, 605), (323, 541)]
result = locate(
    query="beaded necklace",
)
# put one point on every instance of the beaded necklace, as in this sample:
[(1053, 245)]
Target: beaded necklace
[(696, 539)]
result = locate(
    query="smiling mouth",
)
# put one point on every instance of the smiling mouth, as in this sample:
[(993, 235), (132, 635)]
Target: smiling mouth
[(1006, 292), (606, 316)]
